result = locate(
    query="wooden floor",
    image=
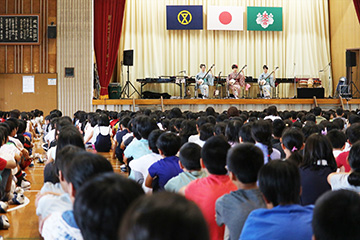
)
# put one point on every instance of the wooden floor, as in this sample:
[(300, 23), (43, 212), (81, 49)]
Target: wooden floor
[(23, 221)]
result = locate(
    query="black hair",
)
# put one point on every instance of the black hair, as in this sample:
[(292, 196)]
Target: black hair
[(21, 126), (103, 120), (233, 112), (64, 156), (318, 147), (202, 65), (232, 130), (159, 216), (336, 216), (69, 135), (317, 111), (201, 120), (310, 117), (15, 113), (219, 129), (261, 131), (353, 133), (206, 131), (245, 133), (234, 66), (124, 121), (354, 162), (11, 125), (175, 113), (169, 144), (101, 203), (339, 111), (293, 140), (214, 154), (279, 182), (337, 138), (278, 127), (190, 155), (265, 67), (339, 123), (354, 118), (153, 137), (83, 166), (272, 110), (245, 161), (310, 128), (210, 111), (145, 125)]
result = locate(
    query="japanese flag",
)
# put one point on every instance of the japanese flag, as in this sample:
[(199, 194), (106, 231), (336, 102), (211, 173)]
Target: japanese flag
[(225, 18)]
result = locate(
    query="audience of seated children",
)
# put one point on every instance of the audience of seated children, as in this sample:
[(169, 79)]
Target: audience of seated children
[(163, 216), (261, 131), (244, 162), (100, 205), (190, 155), (141, 165), (89, 129), (168, 167), (205, 191), (338, 140), (318, 163), (336, 216), (206, 131), (272, 113), (118, 139), (353, 135), (292, 142), (279, 182), (199, 122), (349, 180), (78, 170)]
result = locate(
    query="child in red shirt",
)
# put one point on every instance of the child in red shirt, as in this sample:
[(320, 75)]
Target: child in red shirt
[(205, 191)]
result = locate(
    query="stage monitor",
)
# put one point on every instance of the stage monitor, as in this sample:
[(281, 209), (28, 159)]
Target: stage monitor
[(128, 57)]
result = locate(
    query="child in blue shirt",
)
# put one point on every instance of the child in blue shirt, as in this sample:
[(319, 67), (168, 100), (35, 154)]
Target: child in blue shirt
[(279, 182), (168, 167)]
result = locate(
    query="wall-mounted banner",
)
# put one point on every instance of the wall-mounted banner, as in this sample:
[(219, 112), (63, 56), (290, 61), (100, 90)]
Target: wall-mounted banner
[(264, 19), (225, 18), (184, 17)]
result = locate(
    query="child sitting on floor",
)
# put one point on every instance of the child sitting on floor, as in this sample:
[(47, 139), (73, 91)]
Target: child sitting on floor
[(244, 162), (168, 167), (190, 155)]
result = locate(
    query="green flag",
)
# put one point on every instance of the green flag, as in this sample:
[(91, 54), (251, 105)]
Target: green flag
[(264, 19)]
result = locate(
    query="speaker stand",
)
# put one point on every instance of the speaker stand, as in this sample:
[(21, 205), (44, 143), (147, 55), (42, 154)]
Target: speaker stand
[(126, 88), (352, 84)]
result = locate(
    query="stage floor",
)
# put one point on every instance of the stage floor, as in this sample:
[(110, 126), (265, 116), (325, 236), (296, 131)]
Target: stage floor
[(222, 104)]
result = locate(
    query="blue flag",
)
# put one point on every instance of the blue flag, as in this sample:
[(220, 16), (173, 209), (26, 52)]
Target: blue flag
[(184, 17)]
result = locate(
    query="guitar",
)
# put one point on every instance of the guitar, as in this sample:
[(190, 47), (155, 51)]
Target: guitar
[(233, 80), (202, 79), (263, 81)]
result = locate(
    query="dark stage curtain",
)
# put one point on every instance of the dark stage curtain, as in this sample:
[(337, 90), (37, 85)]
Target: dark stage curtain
[(357, 8), (108, 19)]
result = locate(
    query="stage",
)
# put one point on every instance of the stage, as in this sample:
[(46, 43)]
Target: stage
[(223, 104)]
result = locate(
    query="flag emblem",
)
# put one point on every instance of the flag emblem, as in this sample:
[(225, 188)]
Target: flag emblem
[(184, 17), (225, 18), (265, 19)]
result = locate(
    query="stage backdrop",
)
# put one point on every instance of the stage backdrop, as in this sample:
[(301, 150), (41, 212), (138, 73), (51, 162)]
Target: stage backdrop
[(302, 48)]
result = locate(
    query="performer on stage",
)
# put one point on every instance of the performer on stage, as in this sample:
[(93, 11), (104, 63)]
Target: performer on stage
[(203, 83), (265, 83), (235, 81)]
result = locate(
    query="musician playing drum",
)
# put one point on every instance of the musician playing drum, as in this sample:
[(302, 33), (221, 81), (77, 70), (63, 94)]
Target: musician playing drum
[(203, 80), (236, 81), (265, 82)]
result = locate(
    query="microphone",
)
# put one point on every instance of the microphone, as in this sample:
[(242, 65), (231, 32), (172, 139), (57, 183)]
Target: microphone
[(220, 73)]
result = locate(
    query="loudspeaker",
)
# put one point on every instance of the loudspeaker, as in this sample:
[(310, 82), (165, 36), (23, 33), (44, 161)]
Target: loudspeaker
[(310, 92), (51, 32), (350, 59), (128, 57)]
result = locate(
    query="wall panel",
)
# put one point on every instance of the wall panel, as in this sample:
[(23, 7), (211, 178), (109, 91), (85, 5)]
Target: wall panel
[(75, 49)]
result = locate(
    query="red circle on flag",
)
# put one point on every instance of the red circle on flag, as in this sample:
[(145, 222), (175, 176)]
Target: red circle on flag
[(225, 18)]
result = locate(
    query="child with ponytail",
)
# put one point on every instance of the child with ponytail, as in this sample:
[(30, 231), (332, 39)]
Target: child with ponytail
[(292, 141), (261, 132), (350, 180)]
